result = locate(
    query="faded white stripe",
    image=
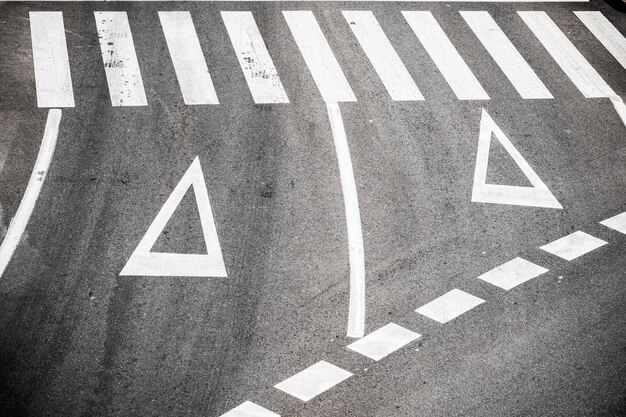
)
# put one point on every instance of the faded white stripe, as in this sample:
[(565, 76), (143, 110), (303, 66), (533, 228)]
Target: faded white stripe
[(323, 65), (445, 56), (120, 60), (254, 58), (606, 33), (383, 56), (189, 63), (52, 66), (508, 58)]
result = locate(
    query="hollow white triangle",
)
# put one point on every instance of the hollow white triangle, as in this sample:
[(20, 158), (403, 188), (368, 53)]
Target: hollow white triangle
[(536, 196), (143, 262)]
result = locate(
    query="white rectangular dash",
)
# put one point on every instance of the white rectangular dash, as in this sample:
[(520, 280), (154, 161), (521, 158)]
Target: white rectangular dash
[(383, 56), (508, 58), (323, 65), (254, 58), (606, 33), (313, 381), (513, 273), (250, 409), (120, 60), (571, 61), (616, 223), (449, 306), (193, 75), (52, 66), (383, 341), (573, 245), (445, 56)]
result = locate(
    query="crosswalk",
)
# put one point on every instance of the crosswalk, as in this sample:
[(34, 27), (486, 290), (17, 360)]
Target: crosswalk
[(54, 88)]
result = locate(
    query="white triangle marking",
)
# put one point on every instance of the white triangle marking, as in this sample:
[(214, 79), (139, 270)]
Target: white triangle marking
[(143, 262), (536, 196)]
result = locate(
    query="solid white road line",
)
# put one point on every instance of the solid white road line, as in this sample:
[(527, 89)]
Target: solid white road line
[(318, 56), (313, 381), (189, 63), (383, 57), (616, 223), (513, 273), (254, 58), (606, 33), (356, 310), (449, 306), (40, 170), (383, 341), (119, 58), (52, 66), (445, 56), (250, 409), (508, 58), (573, 245), (571, 61)]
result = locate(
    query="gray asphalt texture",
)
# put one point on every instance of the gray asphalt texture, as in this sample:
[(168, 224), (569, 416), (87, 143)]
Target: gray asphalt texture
[(76, 339)]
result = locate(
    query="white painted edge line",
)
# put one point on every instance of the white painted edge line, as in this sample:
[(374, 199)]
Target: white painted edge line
[(384, 341), (313, 1), (449, 306), (617, 223), (313, 381), (44, 157), (512, 273), (573, 245), (356, 310), (250, 409)]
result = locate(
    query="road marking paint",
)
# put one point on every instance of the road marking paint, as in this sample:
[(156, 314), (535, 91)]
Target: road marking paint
[(53, 79), (143, 262), (250, 409), (513, 273), (193, 75), (254, 58), (449, 306), (606, 33), (318, 56), (617, 223), (27, 205), (356, 311), (313, 381), (536, 196), (508, 58), (573, 245), (452, 66), (571, 61), (383, 341), (383, 56), (119, 58)]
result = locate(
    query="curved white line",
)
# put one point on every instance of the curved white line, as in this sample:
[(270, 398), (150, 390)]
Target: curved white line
[(356, 311), (18, 223)]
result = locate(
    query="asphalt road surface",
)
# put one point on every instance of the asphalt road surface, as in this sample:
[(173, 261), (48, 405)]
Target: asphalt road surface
[(196, 240)]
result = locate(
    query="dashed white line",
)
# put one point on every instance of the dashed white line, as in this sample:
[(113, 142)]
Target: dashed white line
[(383, 341), (508, 58), (606, 33), (445, 56), (27, 205), (323, 65), (249, 409), (383, 57), (573, 245), (617, 223), (120, 60), (52, 67), (189, 63), (254, 58), (512, 273), (449, 306), (314, 380)]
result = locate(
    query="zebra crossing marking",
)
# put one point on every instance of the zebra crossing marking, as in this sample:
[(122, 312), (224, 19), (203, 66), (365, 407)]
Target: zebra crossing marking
[(606, 33)]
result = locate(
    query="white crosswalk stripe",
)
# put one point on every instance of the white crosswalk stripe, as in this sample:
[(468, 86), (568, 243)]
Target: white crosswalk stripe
[(606, 33), (120, 60), (189, 63)]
